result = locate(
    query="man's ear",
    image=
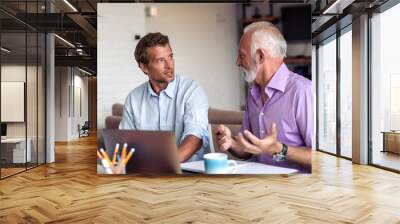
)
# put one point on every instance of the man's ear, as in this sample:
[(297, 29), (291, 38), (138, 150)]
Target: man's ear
[(144, 68), (260, 55)]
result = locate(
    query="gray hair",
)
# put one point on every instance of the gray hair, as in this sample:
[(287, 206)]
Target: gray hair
[(266, 36)]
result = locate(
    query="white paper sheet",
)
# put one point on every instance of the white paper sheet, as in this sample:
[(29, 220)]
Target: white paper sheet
[(242, 168)]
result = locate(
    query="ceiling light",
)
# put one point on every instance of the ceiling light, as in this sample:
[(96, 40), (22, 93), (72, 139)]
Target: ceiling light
[(79, 51), (5, 50), (338, 6), (64, 40), (84, 71), (70, 5)]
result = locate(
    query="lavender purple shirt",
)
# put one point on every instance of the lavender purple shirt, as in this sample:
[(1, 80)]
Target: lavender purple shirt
[(290, 106)]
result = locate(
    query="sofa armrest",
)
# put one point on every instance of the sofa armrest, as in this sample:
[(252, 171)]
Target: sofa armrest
[(112, 122)]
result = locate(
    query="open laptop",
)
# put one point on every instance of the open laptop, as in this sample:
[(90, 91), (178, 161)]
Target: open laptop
[(155, 151)]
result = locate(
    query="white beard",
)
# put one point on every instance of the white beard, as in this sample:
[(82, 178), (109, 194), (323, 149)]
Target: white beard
[(249, 76)]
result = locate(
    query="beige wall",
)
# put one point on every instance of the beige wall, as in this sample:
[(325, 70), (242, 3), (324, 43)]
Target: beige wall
[(205, 46), (117, 72)]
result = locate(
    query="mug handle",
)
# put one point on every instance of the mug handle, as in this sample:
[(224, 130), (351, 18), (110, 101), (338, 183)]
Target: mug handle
[(232, 165)]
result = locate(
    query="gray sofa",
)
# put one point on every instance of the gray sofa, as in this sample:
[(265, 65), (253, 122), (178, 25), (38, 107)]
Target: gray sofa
[(112, 122)]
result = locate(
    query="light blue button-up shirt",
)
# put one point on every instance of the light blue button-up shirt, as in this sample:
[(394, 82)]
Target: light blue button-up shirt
[(181, 107)]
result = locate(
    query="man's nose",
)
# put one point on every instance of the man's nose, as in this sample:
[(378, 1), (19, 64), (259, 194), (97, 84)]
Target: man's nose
[(238, 62), (169, 63)]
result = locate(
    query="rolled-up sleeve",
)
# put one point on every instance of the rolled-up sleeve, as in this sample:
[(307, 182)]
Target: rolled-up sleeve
[(127, 121), (305, 115), (196, 116)]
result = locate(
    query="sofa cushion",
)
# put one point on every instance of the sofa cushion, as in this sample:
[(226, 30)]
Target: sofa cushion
[(112, 122), (117, 109)]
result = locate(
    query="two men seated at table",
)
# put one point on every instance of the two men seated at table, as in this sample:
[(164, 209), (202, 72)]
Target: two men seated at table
[(167, 102), (278, 121)]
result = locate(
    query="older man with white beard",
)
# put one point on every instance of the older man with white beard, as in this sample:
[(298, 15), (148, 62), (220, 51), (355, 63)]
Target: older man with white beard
[(278, 124)]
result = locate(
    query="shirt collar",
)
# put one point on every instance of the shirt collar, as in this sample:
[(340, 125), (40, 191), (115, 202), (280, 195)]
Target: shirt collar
[(278, 82), (169, 91), (150, 90)]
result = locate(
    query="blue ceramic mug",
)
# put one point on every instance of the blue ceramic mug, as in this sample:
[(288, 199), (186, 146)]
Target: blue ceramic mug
[(218, 163)]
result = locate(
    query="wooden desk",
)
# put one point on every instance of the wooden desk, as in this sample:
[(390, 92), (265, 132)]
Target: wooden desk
[(391, 141)]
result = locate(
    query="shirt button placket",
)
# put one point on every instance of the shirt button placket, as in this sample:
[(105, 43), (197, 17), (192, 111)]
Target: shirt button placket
[(160, 107), (261, 123)]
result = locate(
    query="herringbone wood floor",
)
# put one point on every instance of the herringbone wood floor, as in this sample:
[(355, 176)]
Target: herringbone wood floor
[(70, 191)]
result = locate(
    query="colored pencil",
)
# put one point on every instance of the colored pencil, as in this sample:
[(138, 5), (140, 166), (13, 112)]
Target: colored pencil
[(99, 155), (105, 156), (106, 166), (115, 154), (123, 154), (128, 157)]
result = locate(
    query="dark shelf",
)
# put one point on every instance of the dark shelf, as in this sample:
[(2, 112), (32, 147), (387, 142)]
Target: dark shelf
[(298, 60)]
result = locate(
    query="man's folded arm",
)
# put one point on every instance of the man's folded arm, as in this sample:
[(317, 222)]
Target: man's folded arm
[(195, 124)]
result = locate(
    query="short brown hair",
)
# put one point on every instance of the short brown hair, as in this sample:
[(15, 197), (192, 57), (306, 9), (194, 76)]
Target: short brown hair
[(150, 40)]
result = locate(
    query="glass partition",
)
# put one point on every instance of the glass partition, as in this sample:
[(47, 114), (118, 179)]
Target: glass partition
[(327, 96), (346, 93), (385, 89), (22, 88), (13, 95)]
